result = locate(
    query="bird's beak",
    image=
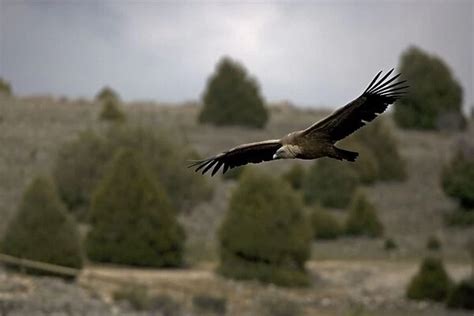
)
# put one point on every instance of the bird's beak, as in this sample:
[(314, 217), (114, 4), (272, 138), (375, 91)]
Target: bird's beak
[(275, 156)]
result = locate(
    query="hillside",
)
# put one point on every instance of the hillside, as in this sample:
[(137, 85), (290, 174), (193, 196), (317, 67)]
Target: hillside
[(31, 131)]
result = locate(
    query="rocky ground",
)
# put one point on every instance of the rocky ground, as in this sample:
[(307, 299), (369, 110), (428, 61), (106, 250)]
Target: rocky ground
[(364, 288)]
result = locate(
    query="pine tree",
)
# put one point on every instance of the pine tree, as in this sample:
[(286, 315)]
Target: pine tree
[(233, 98), (265, 235), (111, 111), (5, 87), (42, 230), (434, 96), (106, 94), (132, 219), (431, 282)]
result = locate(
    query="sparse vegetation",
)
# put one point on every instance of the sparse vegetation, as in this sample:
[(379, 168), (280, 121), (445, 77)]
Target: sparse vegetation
[(78, 168), (111, 111), (42, 230), (462, 295), (433, 243), (329, 183), (430, 283), (210, 304), (278, 306), (106, 94), (362, 218), (81, 162), (295, 176), (132, 220), (434, 100), (140, 299), (265, 235), (325, 225), (377, 141), (458, 179), (5, 87), (366, 166), (233, 98), (390, 244)]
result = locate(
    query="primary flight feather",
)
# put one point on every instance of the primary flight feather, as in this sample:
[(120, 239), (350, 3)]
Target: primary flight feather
[(319, 139)]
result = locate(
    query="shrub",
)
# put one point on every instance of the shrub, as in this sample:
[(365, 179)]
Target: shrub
[(430, 283), (462, 295), (42, 230), (5, 87), (325, 225), (433, 94), (210, 304), (366, 166), (140, 299), (362, 218), (390, 244), (233, 98), (378, 140), (80, 165), (106, 94), (433, 243), (458, 179), (111, 111), (295, 176), (330, 183), (265, 235), (132, 219), (278, 305)]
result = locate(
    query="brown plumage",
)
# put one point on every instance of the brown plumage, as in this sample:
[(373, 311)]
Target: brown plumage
[(319, 139)]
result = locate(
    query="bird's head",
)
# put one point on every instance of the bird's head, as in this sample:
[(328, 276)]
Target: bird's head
[(285, 152)]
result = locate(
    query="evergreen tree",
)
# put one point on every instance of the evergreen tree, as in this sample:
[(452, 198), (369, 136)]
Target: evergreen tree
[(111, 111), (376, 140), (78, 168), (325, 225), (362, 218), (295, 176), (81, 162), (233, 98), (5, 87), (329, 183), (458, 179), (265, 235), (107, 94), (430, 283), (132, 219), (434, 94), (42, 230)]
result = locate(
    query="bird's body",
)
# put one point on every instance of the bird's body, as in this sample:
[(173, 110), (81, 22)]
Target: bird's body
[(318, 140)]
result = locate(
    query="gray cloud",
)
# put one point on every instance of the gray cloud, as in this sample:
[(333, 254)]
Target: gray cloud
[(312, 53)]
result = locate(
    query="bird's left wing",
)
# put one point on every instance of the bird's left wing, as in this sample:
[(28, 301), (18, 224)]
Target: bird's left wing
[(373, 101), (239, 156)]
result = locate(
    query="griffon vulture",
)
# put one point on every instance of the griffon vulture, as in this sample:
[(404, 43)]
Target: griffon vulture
[(319, 139)]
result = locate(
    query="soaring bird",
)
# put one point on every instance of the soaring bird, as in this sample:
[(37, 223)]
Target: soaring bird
[(319, 139)]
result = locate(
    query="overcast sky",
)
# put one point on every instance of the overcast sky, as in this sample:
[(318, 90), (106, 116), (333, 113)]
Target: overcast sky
[(313, 53)]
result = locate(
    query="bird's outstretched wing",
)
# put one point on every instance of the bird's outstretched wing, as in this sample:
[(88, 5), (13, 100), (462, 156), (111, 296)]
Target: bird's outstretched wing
[(375, 99), (239, 156)]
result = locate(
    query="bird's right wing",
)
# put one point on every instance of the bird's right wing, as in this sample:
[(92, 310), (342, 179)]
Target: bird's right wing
[(239, 156), (373, 101)]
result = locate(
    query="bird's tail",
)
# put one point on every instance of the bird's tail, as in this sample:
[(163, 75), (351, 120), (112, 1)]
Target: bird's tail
[(343, 154)]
